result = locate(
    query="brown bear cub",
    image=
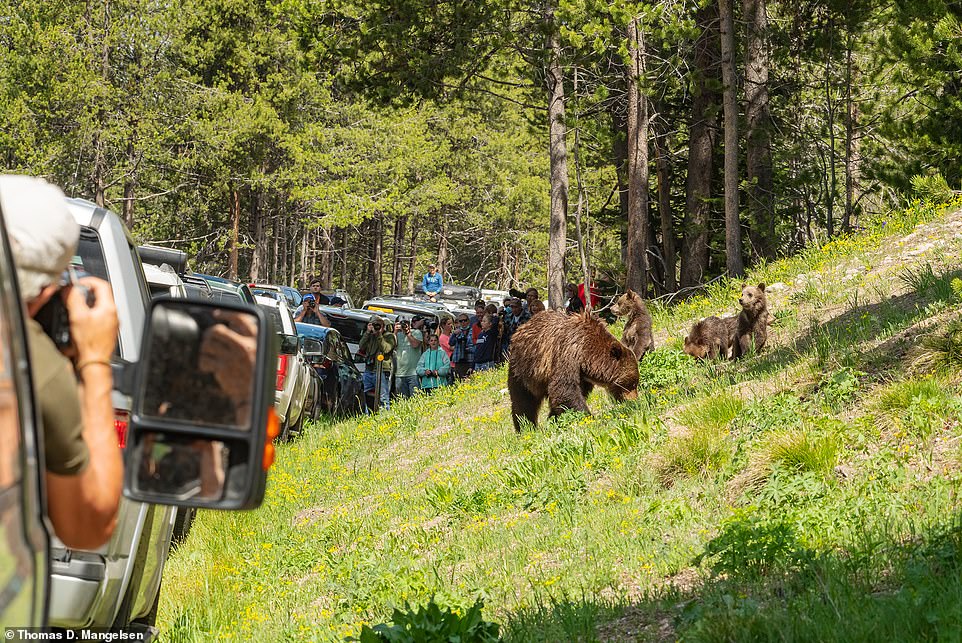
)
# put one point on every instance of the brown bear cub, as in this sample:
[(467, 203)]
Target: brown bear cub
[(752, 326), (637, 335), (711, 338), (563, 357)]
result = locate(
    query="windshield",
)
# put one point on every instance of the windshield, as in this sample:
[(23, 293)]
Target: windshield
[(350, 329)]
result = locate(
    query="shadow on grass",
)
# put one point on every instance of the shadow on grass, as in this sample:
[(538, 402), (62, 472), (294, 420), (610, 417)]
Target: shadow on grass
[(765, 585)]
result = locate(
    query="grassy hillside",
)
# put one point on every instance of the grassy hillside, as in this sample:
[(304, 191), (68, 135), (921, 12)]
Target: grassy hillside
[(809, 492)]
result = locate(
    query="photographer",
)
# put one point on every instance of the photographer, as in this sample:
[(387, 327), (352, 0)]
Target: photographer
[(307, 313), (409, 344), (83, 468), (377, 347)]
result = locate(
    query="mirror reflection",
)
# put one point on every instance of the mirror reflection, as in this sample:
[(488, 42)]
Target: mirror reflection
[(181, 467), (200, 365)]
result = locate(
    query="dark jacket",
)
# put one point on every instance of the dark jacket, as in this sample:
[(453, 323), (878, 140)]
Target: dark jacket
[(486, 347), (372, 344)]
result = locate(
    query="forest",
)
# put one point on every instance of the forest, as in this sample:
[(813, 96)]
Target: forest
[(655, 145)]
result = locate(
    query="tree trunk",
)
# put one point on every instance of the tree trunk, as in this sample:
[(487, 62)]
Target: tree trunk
[(375, 249), (701, 143), (580, 210), (130, 181), (557, 231), (397, 274), (619, 152), (235, 216), (663, 169), (442, 230), (259, 224), (830, 107), (327, 257), (733, 233), (345, 239), (851, 140), (637, 264), (758, 134), (413, 255)]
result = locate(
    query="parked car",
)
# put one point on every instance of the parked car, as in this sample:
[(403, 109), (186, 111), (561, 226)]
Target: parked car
[(345, 298), (293, 378), (228, 291), (197, 287), (42, 583), (163, 281), (342, 390), (292, 295), (458, 296), (351, 323), (433, 313)]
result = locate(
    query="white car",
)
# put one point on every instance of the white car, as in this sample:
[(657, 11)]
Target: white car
[(293, 371), (163, 281)]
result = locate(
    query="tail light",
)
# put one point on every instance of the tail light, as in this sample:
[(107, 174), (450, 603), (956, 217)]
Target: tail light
[(121, 419), (282, 362)]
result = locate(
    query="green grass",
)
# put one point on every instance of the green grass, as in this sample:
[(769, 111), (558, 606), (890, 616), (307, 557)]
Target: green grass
[(809, 492)]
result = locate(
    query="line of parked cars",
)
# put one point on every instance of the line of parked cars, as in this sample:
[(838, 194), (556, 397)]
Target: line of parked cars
[(44, 583)]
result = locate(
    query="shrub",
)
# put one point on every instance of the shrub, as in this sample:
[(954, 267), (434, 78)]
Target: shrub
[(431, 623), (700, 451), (791, 452), (931, 188), (942, 351), (716, 412), (916, 407)]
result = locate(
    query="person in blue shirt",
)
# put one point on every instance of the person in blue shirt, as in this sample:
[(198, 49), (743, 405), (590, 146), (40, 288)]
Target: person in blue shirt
[(432, 283)]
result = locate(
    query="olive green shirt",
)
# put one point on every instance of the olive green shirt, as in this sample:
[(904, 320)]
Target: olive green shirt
[(55, 389)]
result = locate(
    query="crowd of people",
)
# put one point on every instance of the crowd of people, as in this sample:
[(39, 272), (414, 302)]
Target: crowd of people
[(425, 359)]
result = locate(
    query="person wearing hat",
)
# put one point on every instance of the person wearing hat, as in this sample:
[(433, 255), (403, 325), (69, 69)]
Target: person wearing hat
[(377, 346), (82, 461), (432, 283)]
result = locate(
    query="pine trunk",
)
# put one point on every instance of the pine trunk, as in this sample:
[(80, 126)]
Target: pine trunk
[(413, 255), (235, 216), (758, 134), (327, 257), (397, 274), (663, 170), (557, 231), (637, 263), (701, 144), (733, 233)]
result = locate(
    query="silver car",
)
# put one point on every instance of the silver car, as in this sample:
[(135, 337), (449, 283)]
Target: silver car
[(117, 585)]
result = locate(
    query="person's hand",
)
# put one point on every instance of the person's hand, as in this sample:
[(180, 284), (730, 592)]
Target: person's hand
[(92, 328), (228, 351)]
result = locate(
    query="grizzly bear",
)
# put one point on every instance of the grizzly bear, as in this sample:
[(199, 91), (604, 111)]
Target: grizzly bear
[(711, 338), (752, 326), (637, 335), (563, 357)]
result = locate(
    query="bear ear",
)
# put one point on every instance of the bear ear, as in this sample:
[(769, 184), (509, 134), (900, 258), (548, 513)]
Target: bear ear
[(617, 352), (761, 287), (686, 339)]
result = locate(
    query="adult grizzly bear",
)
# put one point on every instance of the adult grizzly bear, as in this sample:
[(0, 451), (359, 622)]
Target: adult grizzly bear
[(637, 335), (711, 338), (752, 326), (563, 357)]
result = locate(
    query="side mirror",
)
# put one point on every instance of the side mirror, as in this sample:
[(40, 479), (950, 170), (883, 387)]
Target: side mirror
[(202, 422), (289, 344), (312, 347)]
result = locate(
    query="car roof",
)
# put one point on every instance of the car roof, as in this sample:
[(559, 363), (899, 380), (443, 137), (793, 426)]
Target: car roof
[(355, 313), (314, 331), (392, 305)]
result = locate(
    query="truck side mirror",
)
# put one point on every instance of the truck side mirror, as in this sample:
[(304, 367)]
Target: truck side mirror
[(290, 344), (202, 422)]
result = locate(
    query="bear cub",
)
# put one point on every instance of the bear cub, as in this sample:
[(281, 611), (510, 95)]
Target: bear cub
[(751, 331), (711, 338), (637, 335)]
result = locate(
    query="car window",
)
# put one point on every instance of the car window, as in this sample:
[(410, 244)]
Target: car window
[(350, 329), (275, 314), (90, 259), (158, 290)]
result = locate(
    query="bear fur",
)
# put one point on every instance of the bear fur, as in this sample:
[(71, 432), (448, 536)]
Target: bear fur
[(563, 357), (711, 338), (751, 331), (637, 335)]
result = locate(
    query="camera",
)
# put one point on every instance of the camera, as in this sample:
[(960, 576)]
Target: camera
[(53, 316), (405, 325)]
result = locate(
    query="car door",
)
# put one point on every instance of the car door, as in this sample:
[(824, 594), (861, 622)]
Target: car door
[(24, 544)]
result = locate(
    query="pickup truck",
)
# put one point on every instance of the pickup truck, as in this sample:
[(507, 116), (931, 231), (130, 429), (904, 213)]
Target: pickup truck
[(42, 582)]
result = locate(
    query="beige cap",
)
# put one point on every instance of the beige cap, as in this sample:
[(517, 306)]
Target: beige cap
[(43, 234)]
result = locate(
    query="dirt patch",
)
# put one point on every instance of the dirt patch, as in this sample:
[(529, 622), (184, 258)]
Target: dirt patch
[(638, 625)]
